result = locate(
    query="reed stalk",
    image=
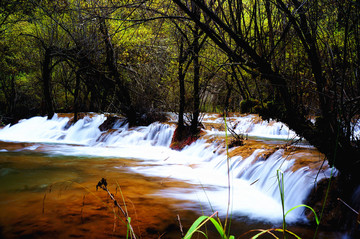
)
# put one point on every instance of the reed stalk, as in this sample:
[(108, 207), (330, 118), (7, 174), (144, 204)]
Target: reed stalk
[(280, 178), (228, 175), (130, 231)]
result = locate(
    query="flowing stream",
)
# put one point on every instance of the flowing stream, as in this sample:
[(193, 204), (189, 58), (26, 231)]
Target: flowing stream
[(49, 170)]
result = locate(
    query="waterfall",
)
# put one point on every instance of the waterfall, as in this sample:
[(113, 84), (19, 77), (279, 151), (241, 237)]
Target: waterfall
[(252, 125), (254, 182), (84, 132)]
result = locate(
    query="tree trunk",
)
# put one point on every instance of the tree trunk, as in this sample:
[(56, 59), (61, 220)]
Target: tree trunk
[(124, 95), (181, 78), (46, 77), (196, 80), (76, 96), (228, 95), (196, 109)]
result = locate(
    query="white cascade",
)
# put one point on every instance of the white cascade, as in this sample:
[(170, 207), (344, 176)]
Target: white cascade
[(252, 125), (84, 132), (254, 182)]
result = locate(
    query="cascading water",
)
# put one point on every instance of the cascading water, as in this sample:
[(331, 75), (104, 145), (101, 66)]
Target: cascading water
[(254, 182), (252, 125)]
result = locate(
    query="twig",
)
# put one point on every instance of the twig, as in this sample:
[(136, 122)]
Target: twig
[(352, 209), (180, 225), (103, 185), (114, 226)]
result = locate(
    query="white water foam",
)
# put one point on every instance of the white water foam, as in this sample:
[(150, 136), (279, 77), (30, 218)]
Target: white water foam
[(254, 183), (251, 125), (40, 129)]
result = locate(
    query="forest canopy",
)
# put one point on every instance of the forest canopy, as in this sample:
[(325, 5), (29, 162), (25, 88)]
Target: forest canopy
[(293, 61)]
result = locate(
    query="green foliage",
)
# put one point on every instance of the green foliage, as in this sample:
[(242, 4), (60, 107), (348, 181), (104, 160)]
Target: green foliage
[(201, 221)]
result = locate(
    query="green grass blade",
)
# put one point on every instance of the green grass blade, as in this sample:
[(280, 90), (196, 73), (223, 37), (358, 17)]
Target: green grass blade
[(218, 227), (196, 225), (128, 227), (200, 222), (290, 232), (280, 179), (263, 232), (303, 205), (202, 233), (269, 231)]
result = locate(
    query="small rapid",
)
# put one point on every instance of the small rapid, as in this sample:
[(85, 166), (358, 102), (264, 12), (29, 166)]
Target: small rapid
[(253, 180), (252, 125)]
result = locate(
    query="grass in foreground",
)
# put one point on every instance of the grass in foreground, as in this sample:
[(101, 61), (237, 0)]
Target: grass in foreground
[(202, 220)]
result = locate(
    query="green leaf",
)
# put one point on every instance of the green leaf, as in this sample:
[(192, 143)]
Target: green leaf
[(290, 232), (195, 226), (263, 232), (201, 221), (218, 227), (128, 227), (303, 205)]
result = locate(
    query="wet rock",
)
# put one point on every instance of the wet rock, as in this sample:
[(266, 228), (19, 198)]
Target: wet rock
[(332, 214), (182, 138), (236, 142), (109, 123), (336, 215), (72, 119)]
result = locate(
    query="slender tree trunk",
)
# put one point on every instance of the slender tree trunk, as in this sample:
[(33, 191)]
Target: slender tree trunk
[(244, 90), (181, 78), (13, 94), (196, 80), (46, 77), (229, 88), (196, 109), (76, 96)]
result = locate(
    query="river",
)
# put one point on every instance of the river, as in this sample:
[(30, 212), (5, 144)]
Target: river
[(49, 170)]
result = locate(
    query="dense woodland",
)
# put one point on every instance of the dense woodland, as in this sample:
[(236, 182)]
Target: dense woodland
[(288, 60)]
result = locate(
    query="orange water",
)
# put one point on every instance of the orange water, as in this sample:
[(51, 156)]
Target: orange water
[(44, 196)]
